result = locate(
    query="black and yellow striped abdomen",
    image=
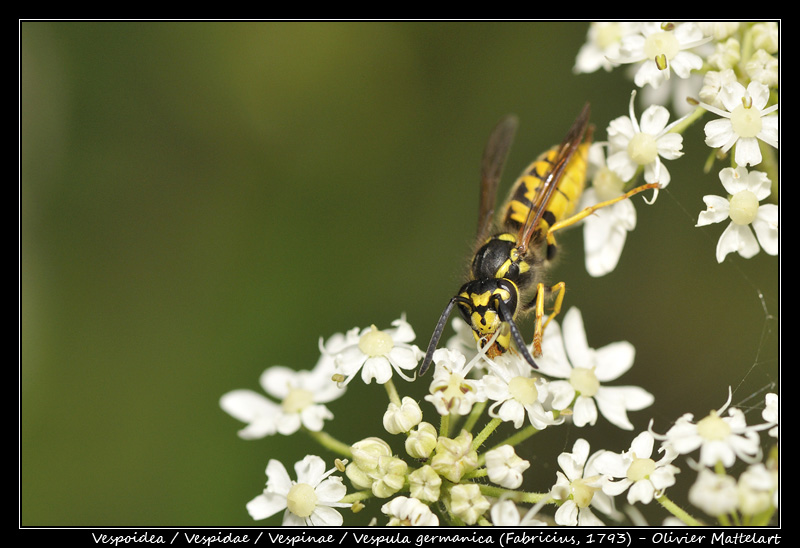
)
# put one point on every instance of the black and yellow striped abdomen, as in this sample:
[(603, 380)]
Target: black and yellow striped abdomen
[(565, 197)]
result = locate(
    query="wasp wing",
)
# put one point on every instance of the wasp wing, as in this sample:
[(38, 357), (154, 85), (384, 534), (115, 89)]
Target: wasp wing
[(492, 164), (550, 181)]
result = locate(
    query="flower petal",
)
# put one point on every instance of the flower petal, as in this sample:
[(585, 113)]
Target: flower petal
[(247, 405), (266, 505), (324, 516), (718, 209), (613, 360), (278, 480), (310, 470), (766, 227)]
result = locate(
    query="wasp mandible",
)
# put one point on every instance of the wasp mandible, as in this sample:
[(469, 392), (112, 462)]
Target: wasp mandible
[(511, 260)]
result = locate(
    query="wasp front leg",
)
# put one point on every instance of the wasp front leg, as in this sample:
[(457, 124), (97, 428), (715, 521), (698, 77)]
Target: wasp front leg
[(540, 323)]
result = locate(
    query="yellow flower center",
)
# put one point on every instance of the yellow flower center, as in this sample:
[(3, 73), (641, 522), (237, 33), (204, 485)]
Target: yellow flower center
[(713, 428), (746, 121), (743, 207), (584, 381), (640, 469), (643, 149), (582, 493), (661, 44), (375, 343), (296, 400), (523, 389), (301, 500)]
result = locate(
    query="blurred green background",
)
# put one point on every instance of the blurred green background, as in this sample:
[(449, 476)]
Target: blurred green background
[(201, 200)]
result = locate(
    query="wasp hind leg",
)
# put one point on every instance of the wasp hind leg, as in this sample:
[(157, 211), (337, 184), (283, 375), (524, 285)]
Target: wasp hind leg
[(537, 302), (551, 241)]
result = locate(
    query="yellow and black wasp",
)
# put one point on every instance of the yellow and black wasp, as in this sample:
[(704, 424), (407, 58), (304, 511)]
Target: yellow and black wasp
[(508, 268)]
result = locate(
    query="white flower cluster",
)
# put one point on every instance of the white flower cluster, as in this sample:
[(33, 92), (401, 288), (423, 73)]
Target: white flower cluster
[(728, 69), (444, 464)]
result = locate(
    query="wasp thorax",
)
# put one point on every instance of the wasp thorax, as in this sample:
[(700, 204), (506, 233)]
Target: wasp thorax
[(499, 258)]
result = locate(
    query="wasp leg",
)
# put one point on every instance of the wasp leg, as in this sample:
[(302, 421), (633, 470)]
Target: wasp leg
[(507, 316), (538, 303), (437, 334), (591, 209)]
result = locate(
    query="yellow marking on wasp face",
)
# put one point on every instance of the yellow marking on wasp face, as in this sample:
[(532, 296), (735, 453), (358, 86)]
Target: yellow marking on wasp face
[(485, 323), (480, 299)]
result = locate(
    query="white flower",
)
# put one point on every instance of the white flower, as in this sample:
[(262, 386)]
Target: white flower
[(378, 352), (517, 394), (603, 41), (578, 486), (713, 493), (302, 395), (746, 190), (725, 55), (455, 457), (771, 413), (643, 144), (425, 484), (421, 442), (467, 502), (745, 120), (720, 439), (756, 488), (374, 467), (309, 501), (763, 67), (505, 513), (450, 390), (713, 84), (409, 511), (662, 48), (403, 417), (605, 231), (719, 30), (585, 369), (504, 467), (636, 471), (766, 36)]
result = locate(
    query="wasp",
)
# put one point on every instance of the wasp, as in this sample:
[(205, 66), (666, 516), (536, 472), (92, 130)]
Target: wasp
[(507, 273)]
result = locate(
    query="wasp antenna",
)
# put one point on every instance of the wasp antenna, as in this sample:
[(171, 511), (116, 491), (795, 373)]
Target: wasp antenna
[(507, 316), (437, 334)]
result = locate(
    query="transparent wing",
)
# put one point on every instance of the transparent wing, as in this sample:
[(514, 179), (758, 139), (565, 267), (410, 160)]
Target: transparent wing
[(492, 164)]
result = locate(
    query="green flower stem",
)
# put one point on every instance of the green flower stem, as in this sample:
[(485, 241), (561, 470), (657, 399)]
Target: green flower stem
[(762, 519), (357, 496), (677, 511), (510, 494), (444, 425), (475, 414), (331, 443), (477, 473), (688, 121), (391, 390), (490, 427), (519, 437)]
